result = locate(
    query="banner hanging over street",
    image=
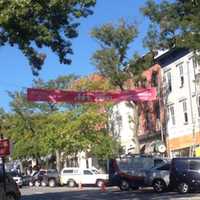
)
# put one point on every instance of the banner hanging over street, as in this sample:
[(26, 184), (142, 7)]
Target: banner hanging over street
[(56, 96)]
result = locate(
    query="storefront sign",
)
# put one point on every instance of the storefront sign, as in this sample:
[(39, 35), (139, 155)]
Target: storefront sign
[(143, 94)]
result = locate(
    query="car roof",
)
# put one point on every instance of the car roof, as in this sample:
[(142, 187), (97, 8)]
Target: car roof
[(186, 158)]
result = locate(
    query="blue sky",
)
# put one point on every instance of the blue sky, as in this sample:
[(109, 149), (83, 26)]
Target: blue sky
[(15, 70)]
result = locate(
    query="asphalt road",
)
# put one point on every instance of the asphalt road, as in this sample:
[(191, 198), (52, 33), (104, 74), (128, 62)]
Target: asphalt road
[(64, 193)]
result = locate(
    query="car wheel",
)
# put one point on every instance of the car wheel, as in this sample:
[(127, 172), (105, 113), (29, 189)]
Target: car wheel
[(159, 186), (43, 184), (124, 185), (183, 188), (71, 183), (37, 183), (52, 183), (99, 183), (30, 184), (134, 187), (10, 196)]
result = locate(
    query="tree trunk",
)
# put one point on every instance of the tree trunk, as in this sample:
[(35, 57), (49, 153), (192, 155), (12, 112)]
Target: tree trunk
[(58, 161)]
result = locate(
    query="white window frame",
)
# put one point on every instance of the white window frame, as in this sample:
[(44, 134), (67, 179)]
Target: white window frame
[(181, 74), (169, 80), (185, 111), (198, 105), (172, 114)]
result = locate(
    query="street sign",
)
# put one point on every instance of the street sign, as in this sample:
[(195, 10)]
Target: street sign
[(139, 94), (4, 147)]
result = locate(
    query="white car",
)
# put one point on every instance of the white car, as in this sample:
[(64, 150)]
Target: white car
[(76, 176)]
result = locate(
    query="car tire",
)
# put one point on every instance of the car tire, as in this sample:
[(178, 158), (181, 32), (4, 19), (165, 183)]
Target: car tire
[(52, 182), (134, 187), (100, 183), (31, 184), (124, 185), (159, 186), (71, 183), (183, 188), (43, 184), (10, 196), (37, 183)]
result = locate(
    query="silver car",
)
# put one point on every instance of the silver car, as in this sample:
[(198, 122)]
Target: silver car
[(158, 177)]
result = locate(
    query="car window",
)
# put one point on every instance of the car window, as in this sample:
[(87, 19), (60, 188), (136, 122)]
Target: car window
[(41, 173), (87, 172), (164, 167), (180, 165), (194, 165), (68, 171), (158, 162)]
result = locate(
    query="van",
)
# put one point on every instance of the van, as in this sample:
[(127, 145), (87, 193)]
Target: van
[(129, 171), (185, 174), (75, 176)]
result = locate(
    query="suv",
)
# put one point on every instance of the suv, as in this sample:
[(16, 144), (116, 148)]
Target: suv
[(17, 178), (158, 177), (74, 176), (185, 174), (48, 177), (129, 172), (12, 190)]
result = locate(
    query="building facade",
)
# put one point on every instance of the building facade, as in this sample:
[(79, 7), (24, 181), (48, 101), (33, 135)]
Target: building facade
[(151, 118), (181, 87)]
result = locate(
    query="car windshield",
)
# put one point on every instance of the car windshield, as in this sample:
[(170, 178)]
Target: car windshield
[(13, 174), (95, 171)]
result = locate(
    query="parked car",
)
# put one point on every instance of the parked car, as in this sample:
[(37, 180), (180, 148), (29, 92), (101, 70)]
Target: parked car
[(74, 176), (185, 174), (12, 190), (158, 177), (48, 177), (17, 178), (128, 172)]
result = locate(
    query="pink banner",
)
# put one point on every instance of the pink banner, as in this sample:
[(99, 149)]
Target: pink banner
[(142, 94)]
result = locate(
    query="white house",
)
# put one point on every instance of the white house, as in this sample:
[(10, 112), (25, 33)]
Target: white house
[(181, 78)]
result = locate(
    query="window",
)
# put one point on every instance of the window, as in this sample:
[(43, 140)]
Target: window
[(69, 171), (148, 118), (180, 67), (194, 165), (198, 105), (157, 110), (158, 162), (164, 167), (154, 79), (169, 81), (172, 115), (87, 172), (195, 62), (185, 112), (180, 165)]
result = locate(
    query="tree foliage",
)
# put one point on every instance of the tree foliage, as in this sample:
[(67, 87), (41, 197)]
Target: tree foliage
[(46, 23), (173, 24), (111, 60), (39, 129)]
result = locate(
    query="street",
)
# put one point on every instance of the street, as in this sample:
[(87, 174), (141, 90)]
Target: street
[(64, 193)]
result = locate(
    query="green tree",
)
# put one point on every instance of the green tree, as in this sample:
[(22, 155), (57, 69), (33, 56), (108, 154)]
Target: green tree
[(114, 64), (173, 24), (31, 25)]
